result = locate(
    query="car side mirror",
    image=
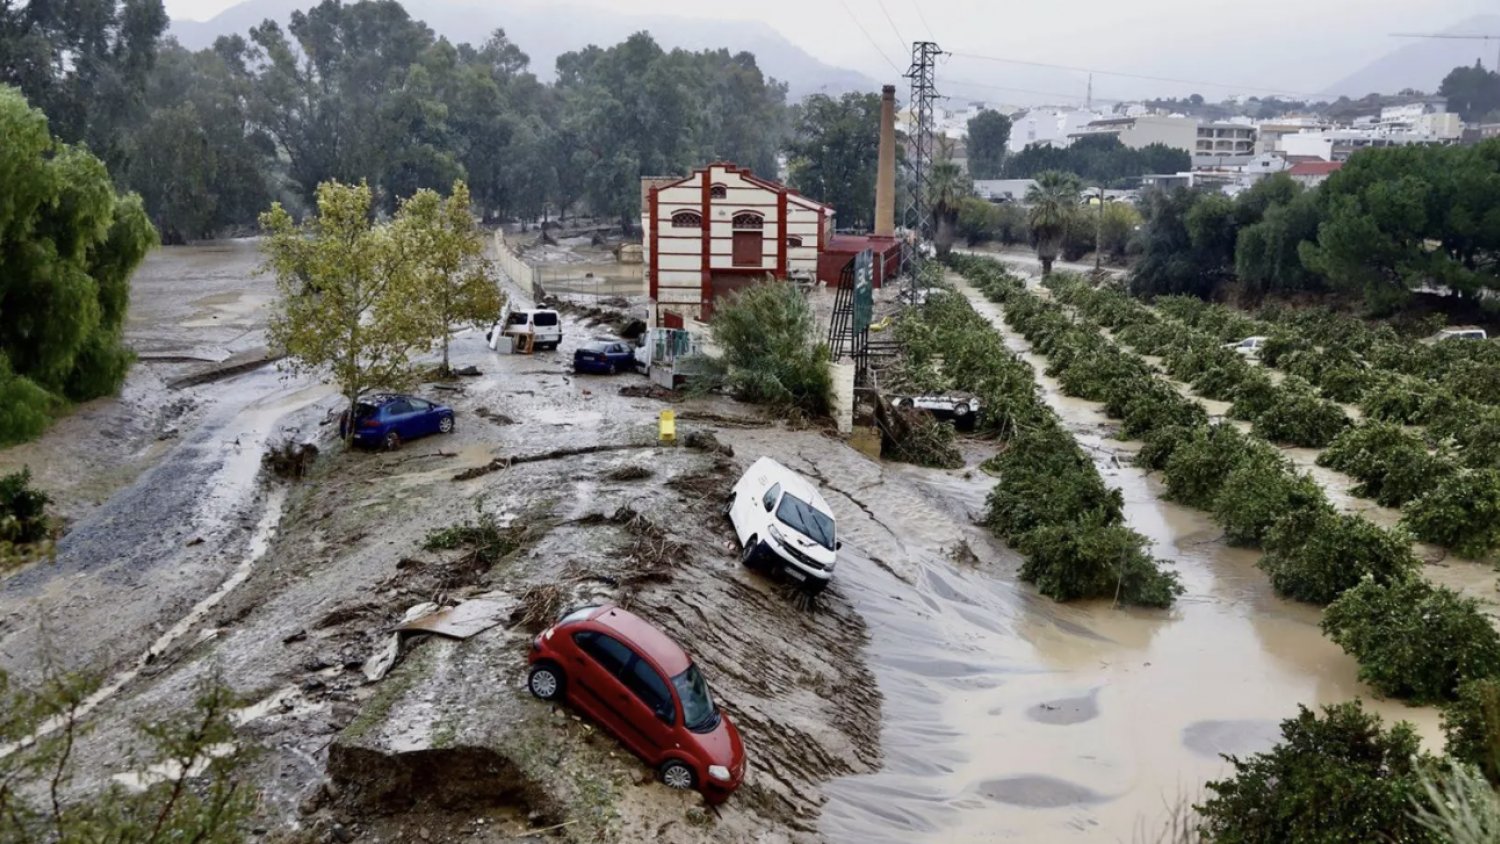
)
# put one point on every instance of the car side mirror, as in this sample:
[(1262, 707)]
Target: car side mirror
[(838, 545)]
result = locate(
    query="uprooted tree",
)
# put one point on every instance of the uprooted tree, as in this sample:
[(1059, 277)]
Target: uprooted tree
[(346, 290), (454, 281), (767, 334)]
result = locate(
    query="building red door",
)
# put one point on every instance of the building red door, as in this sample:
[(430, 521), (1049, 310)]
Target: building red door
[(747, 248)]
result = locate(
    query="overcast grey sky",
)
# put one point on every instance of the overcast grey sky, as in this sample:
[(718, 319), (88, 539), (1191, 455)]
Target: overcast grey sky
[(1294, 45)]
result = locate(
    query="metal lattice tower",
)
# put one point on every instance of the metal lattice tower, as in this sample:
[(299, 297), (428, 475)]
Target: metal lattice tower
[(920, 147)]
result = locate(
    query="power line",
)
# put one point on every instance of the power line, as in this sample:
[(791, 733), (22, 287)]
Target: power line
[(899, 39), (1198, 82), (866, 32), (917, 4)]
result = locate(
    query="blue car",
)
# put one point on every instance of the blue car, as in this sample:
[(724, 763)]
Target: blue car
[(387, 420), (604, 357)]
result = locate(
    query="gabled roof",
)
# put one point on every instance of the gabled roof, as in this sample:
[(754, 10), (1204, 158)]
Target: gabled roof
[(1315, 168), (744, 173)]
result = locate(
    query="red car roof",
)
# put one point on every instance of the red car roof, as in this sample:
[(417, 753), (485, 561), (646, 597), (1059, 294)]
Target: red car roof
[(644, 637)]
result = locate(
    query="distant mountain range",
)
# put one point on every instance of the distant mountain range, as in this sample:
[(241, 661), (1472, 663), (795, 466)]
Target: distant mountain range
[(546, 32), (1422, 63)]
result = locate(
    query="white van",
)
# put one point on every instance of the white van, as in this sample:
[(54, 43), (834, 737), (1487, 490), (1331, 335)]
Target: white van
[(781, 519), (1249, 347), (545, 324)]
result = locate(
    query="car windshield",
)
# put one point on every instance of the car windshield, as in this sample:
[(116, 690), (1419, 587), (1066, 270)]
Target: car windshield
[(698, 711), (799, 515)]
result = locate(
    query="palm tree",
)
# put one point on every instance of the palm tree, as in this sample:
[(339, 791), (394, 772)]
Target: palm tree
[(945, 187), (1053, 201)]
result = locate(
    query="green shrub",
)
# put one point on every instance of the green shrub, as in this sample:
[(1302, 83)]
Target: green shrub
[(1198, 466), (767, 334), (23, 510), (1462, 513), (1218, 382), (1254, 396), (1261, 489), (25, 408), (1339, 779), (1298, 416), (1392, 466), (1345, 384), (1073, 561), (1045, 479), (1154, 338), (1475, 380), (1471, 726), (1161, 443), (1413, 640), (1280, 344), (1315, 554), (1144, 403), (1394, 399)]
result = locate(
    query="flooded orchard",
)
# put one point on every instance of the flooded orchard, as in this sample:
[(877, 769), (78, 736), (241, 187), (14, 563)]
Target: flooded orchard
[(927, 696)]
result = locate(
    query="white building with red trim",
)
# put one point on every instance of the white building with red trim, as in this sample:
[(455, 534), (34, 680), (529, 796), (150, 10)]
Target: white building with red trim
[(720, 229)]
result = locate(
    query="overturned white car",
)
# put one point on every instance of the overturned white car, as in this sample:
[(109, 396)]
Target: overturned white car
[(781, 520)]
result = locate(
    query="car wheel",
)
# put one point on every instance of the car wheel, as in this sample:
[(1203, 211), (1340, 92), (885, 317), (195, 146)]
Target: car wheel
[(814, 586), (747, 555), (392, 441), (675, 774), (614, 369), (446, 424), (727, 506), (545, 681)]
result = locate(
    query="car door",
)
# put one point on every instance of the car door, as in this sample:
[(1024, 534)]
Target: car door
[(423, 420), (599, 689), (651, 707), (398, 417)]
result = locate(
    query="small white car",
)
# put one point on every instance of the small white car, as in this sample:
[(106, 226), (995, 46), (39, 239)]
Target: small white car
[(781, 519), (1249, 347), (1461, 334), (545, 325), (962, 409)]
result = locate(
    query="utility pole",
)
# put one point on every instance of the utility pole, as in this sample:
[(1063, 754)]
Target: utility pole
[(920, 144), (1088, 102)]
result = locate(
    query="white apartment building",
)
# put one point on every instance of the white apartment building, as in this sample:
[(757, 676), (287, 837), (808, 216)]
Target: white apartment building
[(1211, 145), (1048, 126), (1339, 144)]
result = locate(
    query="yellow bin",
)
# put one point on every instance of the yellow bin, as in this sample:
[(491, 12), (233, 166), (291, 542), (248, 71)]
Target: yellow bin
[(667, 427)]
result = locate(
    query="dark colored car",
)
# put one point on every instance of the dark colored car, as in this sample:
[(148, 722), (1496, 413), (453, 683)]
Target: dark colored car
[(604, 357), (387, 420), (644, 689)]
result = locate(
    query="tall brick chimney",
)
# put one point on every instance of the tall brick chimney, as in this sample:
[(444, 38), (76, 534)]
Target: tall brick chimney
[(885, 177)]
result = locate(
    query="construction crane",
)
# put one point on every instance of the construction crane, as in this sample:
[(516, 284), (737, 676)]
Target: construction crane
[(1495, 38)]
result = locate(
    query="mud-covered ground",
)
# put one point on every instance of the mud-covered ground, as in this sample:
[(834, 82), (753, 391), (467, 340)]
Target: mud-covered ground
[(927, 696)]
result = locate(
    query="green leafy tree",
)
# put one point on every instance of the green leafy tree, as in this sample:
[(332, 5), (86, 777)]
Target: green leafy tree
[(1473, 92), (1052, 208), (946, 188), (989, 135), (766, 332), (1471, 726), (1339, 779), (1314, 554), (346, 291), (1098, 159), (454, 281), (1413, 640), (1399, 218), (834, 151), (70, 244), (1461, 512)]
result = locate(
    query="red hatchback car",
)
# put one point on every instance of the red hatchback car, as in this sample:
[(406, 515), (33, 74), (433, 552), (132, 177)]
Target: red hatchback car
[(642, 687)]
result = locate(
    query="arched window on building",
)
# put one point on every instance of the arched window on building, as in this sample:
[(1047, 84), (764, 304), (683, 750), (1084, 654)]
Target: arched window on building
[(717, 192), (687, 220), (793, 241)]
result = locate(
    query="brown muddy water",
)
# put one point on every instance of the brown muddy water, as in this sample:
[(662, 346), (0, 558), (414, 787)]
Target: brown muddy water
[(1008, 717)]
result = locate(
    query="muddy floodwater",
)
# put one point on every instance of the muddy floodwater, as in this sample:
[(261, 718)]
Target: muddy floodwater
[(1009, 717), (1000, 715)]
